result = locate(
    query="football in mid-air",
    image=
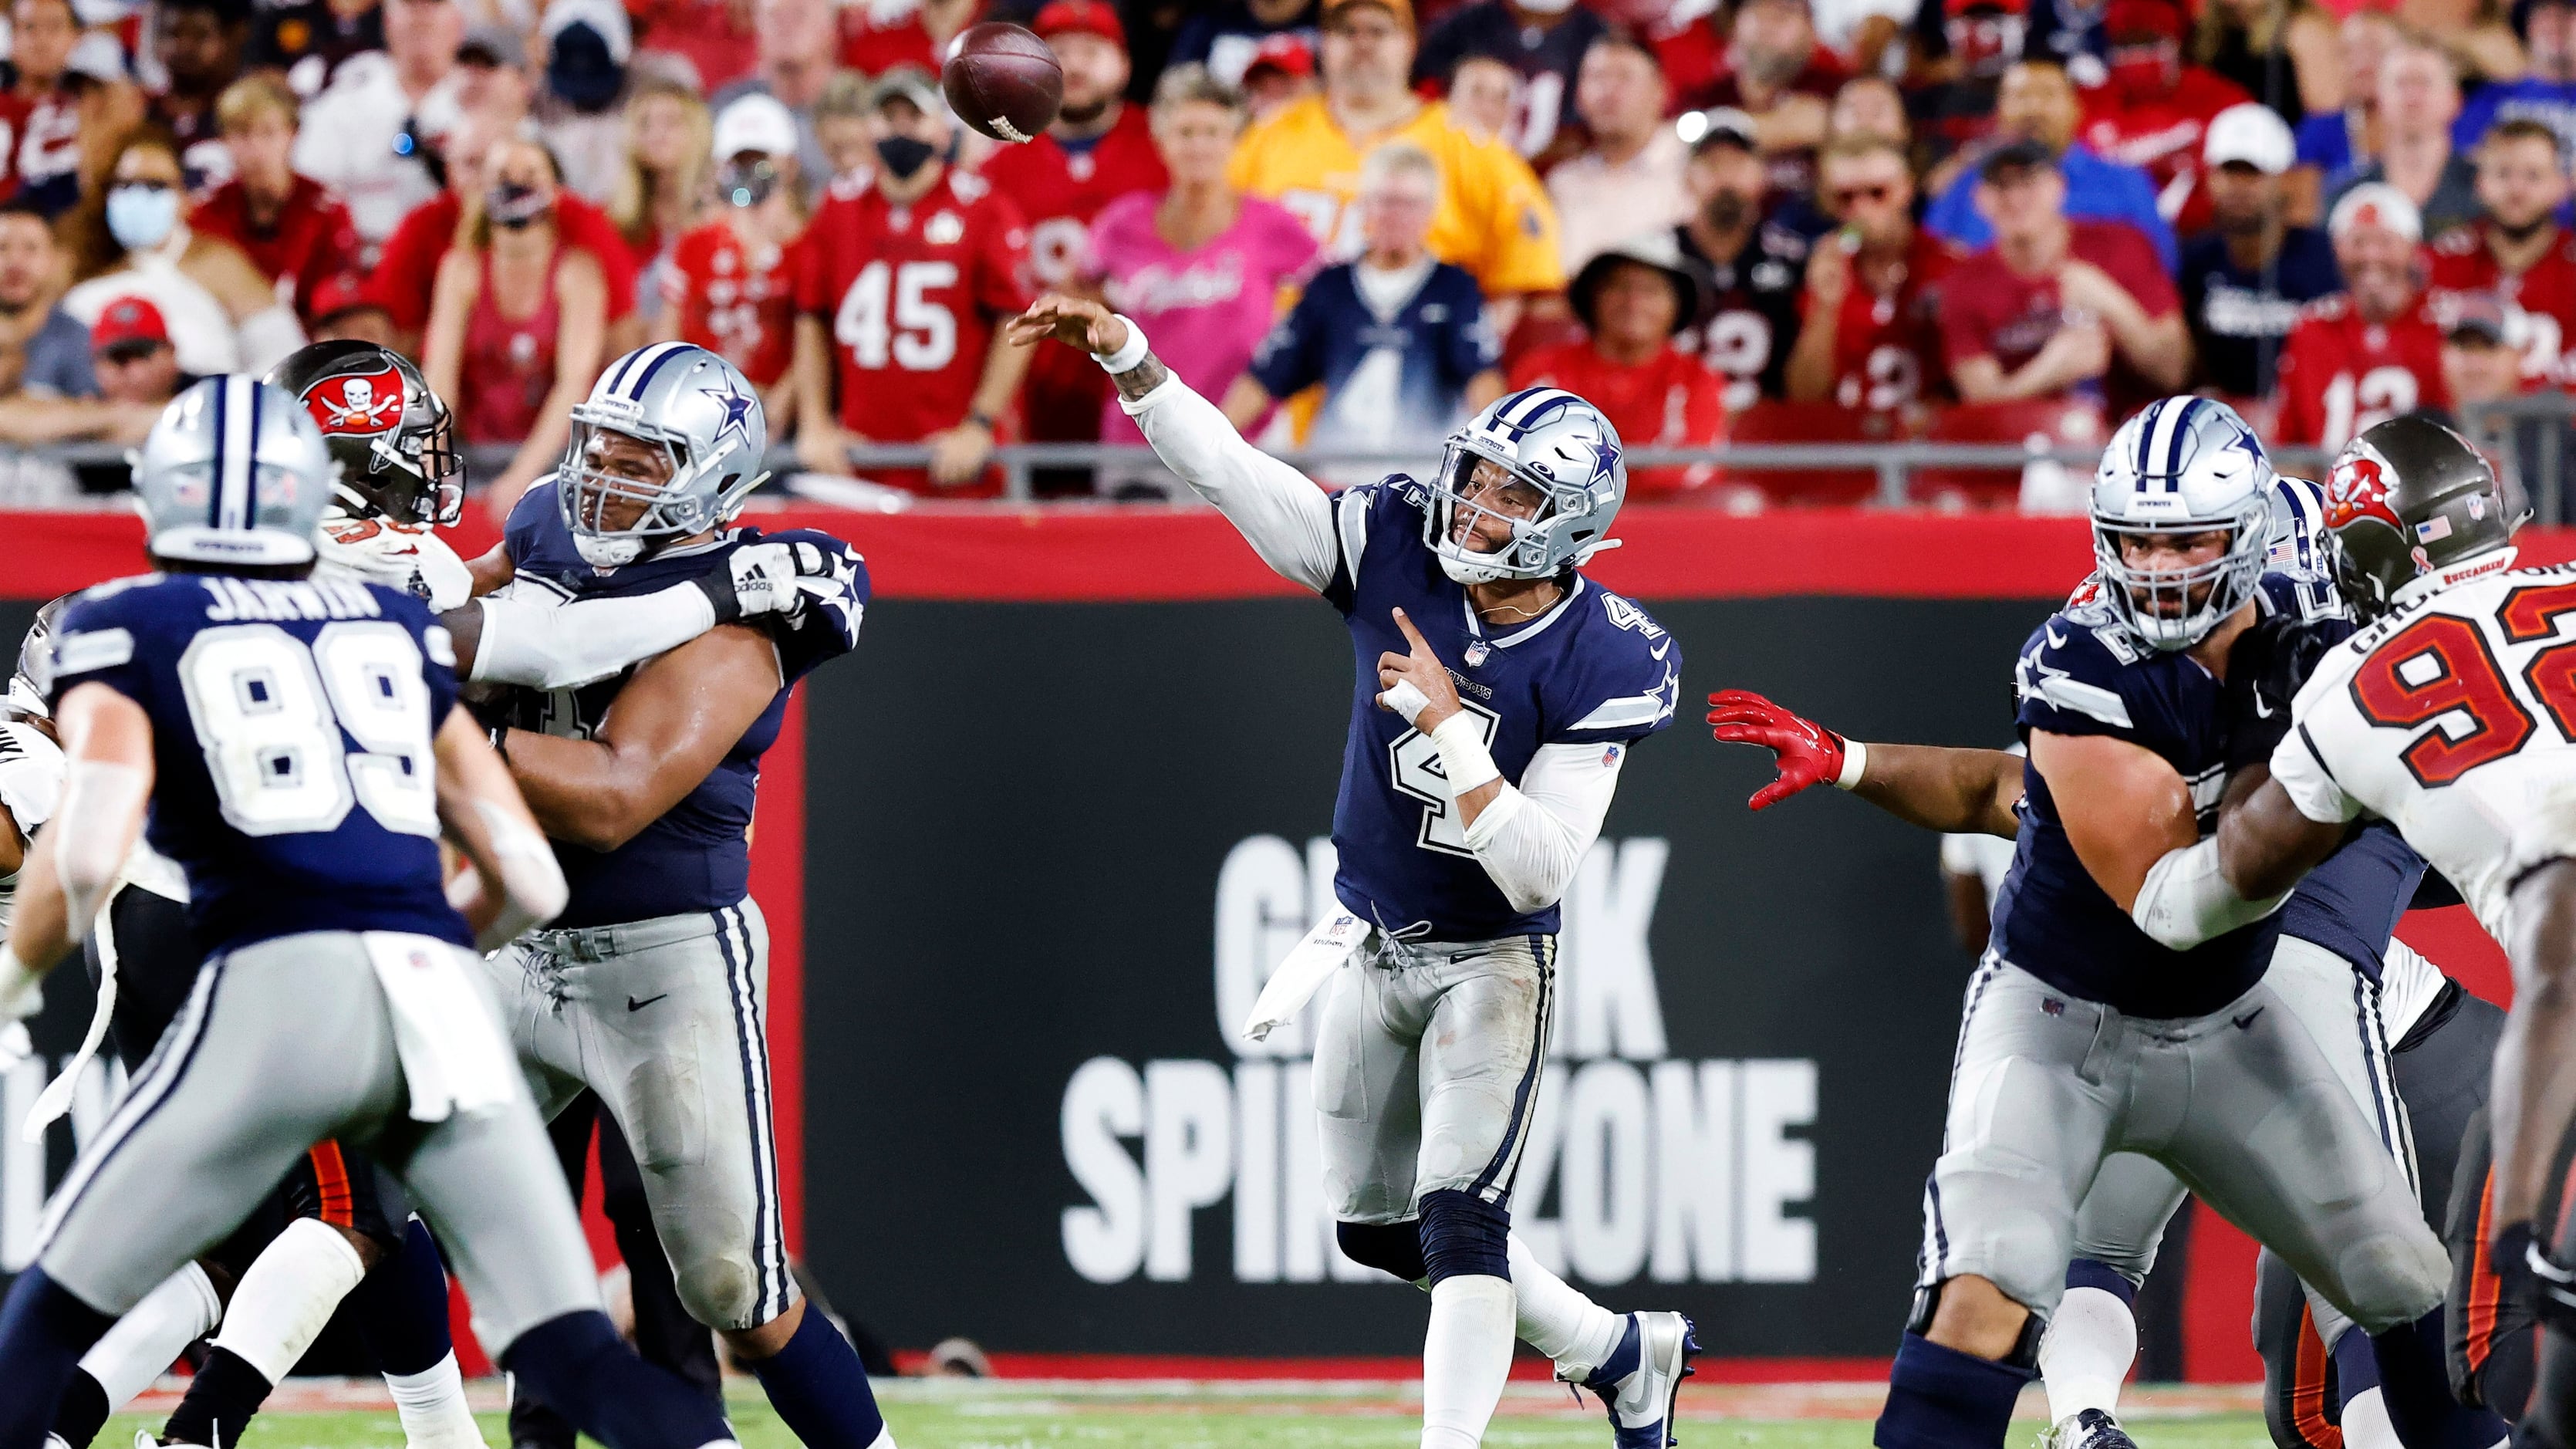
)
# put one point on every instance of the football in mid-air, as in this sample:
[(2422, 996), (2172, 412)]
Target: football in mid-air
[(1003, 81)]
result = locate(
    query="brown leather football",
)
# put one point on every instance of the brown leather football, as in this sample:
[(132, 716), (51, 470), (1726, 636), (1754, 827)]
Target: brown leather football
[(1003, 81)]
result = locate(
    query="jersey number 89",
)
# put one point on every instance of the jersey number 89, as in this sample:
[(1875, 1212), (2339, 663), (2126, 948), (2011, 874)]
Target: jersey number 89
[(270, 713)]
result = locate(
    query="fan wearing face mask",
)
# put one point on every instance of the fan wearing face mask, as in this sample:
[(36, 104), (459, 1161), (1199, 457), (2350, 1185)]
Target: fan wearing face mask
[(128, 240), (517, 318), (731, 285)]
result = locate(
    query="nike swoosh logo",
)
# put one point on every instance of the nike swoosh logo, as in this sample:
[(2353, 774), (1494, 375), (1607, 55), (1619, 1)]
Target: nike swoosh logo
[(2261, 710), (2054, 642), (1660, 650), (2242, 1022), (634, 1005)]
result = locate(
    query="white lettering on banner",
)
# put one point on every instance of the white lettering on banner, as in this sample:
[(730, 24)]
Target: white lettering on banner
[(1638, 1163), (23, 1181)]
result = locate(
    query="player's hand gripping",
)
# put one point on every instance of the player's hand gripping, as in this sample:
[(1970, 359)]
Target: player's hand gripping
[(1806, 753), (1415, 684), (767, 578), (1074, 321)]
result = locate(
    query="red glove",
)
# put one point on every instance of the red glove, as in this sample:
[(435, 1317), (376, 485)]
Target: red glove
[(1808, 753)]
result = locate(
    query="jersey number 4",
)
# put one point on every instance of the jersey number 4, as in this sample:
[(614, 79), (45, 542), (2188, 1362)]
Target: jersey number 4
[(2441, 666), (887, 313), (270, 714), (1418, 774)]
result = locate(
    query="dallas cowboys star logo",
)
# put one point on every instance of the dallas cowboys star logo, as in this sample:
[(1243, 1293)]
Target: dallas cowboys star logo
[(1605, 457), (737, 410)]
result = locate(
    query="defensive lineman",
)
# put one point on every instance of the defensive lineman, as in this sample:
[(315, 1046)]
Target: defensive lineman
[(650, 989), (297, 742), (1497, 694)]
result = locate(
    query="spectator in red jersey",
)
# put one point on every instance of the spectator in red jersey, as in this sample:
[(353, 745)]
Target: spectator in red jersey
[(1785, 81), (368, 135), (717, 40), (796, 39), (1870, 335), (1543, 42), (2419, 98), (407, 269), (137, 372), (906, 279), (292, 228), (129, 240), (2155, 109), (63, 124), (2517, 251), (2058, 308), (2373, 351), (1280, 74), (518, 320), (200, 44), (1100, 148), (877, 38), (731, 285), (663, 176), (1631, 177), (1635, 297)]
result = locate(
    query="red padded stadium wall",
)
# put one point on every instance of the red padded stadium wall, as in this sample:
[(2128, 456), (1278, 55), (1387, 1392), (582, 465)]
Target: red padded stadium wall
[(1096, 555)]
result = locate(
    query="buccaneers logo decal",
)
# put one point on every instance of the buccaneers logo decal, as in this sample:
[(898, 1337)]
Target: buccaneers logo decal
[(372, 403), (2359, 489)]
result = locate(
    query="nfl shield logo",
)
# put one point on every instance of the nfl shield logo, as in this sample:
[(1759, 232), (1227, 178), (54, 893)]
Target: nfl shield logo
[(1477, 653)]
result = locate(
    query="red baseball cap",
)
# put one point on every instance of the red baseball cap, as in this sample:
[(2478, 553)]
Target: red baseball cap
[(2142, 17), (1961, 7), (1088, 16), (1287, 53), (127, 320)]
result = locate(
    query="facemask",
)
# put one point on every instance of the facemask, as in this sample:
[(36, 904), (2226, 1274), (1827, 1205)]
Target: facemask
[(905, 155), (140, 217), (2145, 72), (515, 204), (607, 553), (747, 185)]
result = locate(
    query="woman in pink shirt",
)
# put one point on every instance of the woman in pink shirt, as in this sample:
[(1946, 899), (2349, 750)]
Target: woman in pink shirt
[(1200, 267)]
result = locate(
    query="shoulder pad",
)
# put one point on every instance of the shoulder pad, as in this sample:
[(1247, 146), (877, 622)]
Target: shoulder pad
[(1624, 614), (2459, 241), (2068, 664)]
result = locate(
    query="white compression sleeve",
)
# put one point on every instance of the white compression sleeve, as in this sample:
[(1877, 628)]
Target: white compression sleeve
[(1466, 1357), (432, 1407), (1554, 1317), (102, 808), (1287, 519), (152, 1335), (2186, 899), (1533, 836), (532, 885), (288, 1295), (547, 645)]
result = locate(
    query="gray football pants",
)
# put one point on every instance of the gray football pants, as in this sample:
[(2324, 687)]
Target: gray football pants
[(2239, 1104), (2122, 1220), (1427, 1062), (282, 1044), (666, 1020)]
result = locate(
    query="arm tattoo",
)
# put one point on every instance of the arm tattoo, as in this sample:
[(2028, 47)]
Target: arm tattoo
[(1141, 379)]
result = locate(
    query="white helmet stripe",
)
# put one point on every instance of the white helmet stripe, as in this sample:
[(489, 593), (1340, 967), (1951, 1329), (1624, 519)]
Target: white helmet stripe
[(236, 451), (2162, 442)]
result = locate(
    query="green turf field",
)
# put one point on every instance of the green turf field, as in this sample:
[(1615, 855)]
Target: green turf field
[(990, 1419)]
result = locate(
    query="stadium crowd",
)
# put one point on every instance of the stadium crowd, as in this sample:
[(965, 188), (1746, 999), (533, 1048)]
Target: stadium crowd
[(1349, 220)]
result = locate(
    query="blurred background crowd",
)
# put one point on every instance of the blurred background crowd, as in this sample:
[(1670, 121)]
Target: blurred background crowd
[(1349, 221)]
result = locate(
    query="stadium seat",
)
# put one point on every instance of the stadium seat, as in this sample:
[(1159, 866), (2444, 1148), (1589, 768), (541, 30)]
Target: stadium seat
[(1817, 422), (2047, 422)]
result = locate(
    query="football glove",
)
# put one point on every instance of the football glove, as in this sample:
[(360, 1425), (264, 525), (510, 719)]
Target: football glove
[(766, 578), (404, 556), (2266, 667), (1806, 753)]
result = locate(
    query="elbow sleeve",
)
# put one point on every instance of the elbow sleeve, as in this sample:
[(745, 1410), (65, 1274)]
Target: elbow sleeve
[(1528, 853), (532, 886), (545, 645), (2186, 899), (101, 804)]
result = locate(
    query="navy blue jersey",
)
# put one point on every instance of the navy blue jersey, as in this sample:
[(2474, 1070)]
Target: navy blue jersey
[(2350, 904), (1595, 670), (2240, 318), (2083, 673), (1386, 380), (697, 856), (292, 729)]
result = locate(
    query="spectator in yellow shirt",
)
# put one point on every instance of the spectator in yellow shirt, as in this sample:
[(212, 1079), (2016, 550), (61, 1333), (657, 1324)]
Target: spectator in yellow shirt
[(1493, 218)]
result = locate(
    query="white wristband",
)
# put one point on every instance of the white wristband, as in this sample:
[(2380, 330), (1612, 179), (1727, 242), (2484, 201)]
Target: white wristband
[(1463, 756), (1855, 764), (1126, 357), (22, 991)]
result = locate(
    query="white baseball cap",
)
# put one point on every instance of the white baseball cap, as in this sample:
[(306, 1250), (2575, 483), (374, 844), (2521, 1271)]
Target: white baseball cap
[(2376, 203), (2252, 133), (755, 123)]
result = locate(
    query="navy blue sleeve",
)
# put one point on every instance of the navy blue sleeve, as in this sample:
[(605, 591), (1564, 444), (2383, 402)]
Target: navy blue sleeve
[(438, 652), (535, 508), (828, 626), (96, 641), (1467, 345), (2072, 679), (1627, 678)]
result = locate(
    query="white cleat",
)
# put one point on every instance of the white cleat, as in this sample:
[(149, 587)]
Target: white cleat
[(1642, 1380), (2086, 1429)]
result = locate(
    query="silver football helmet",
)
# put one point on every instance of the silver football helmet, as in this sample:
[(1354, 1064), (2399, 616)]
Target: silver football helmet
[(1552, 441), (2186, 465), (235, 472), (29, 686), (705, 419)]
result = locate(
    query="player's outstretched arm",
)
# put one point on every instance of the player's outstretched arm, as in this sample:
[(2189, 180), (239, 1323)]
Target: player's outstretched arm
[(545, 643), (107, 739), (515, 884), (2265, 843), (669, 729), (1286, 518), (1934, 786)]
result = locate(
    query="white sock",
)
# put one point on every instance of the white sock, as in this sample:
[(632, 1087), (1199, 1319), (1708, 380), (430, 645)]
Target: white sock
[(432, 1405), (1465, 1359), (1557, 1320), (2084, 1356), (288, 1296), (151, 1336), (2366, 1424)]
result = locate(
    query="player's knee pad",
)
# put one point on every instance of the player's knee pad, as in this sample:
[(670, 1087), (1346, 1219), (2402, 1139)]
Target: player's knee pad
[(2025, 1349), (720, 1290), (1388, 1247), (2390, 1278), (1463, 1234)]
